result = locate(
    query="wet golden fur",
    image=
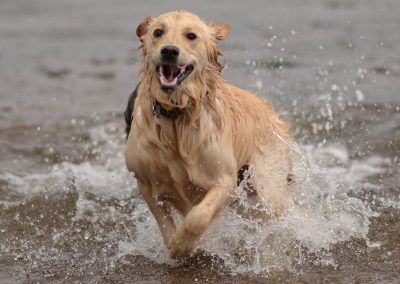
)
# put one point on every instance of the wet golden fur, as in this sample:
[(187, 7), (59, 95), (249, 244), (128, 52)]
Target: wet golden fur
[(191, 163)]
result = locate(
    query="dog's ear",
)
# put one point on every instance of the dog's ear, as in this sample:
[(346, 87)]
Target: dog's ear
[(221, 30), (141, 30)]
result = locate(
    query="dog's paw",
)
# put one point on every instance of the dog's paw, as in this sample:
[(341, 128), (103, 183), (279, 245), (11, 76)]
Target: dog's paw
[(181, 246)]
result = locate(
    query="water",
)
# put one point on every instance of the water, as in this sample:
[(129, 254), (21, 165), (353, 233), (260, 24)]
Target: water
[(69, 209)]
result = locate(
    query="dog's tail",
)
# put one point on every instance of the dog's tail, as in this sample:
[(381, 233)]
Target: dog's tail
[(129, 110)]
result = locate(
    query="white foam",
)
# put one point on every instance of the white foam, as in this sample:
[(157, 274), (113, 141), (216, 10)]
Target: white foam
[(324, 214), (106, 175)]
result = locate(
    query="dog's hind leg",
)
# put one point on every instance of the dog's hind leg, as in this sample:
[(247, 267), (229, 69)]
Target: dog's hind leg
[(270, 179), (254, 206)]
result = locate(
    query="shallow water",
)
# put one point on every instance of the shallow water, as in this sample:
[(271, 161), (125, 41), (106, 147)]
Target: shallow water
[(69, 209)]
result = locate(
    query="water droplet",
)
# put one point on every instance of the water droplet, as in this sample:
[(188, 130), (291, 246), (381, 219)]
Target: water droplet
[(359, 95)]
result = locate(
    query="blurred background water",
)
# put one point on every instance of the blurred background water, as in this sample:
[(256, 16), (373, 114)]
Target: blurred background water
[(69, 209)]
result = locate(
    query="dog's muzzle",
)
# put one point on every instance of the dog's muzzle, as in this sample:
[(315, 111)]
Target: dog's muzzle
[(170, 73)]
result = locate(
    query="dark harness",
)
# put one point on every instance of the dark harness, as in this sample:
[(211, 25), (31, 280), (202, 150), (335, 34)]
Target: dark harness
[(159, 111)]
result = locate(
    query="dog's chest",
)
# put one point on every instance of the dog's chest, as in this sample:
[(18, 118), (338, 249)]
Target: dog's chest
[(154, 151), (167, 153)]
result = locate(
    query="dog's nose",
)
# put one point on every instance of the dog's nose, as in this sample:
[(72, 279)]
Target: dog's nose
[(169, 53)]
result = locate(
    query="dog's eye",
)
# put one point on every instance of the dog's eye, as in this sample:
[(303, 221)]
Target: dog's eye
[(191, 36), (158, 32)]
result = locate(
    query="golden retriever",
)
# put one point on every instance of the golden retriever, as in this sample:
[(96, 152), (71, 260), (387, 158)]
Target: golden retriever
[(194, 137)]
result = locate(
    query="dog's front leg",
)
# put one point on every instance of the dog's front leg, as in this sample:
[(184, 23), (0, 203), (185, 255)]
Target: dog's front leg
[(198, 219), (160, 211)]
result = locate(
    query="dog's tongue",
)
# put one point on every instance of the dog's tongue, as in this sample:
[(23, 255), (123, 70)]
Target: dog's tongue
[(171, 72), (167, 72)]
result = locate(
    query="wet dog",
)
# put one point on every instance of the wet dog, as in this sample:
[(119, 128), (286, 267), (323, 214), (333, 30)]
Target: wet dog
[(192, 137)]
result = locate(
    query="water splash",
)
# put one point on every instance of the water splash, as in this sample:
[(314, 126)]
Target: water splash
[(326, 211)]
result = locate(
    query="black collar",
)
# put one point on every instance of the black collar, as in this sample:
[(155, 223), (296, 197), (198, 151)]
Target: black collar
[(159, 111)]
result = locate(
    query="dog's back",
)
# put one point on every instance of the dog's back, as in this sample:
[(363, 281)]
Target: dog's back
[(129, 110)]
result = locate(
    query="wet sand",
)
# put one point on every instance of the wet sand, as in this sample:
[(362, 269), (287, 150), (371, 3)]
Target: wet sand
[(70, 211)]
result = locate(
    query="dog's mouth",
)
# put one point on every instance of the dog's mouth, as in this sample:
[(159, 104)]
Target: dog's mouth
[(170, 75)]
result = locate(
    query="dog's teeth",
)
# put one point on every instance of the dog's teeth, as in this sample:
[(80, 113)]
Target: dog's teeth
[(181, 74), (172, 81)]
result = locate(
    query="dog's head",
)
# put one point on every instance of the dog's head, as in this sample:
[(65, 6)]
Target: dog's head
[(177, 47)]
